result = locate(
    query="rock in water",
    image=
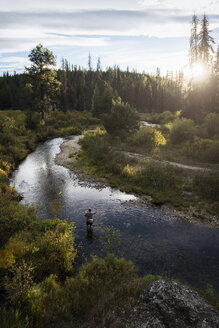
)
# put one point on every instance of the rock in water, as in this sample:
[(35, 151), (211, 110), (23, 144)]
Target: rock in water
[(167, 304)]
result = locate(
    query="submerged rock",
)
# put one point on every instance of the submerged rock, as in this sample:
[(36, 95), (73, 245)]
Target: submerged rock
[(169, 304)]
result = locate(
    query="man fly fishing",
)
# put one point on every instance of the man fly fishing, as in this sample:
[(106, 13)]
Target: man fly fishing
[(89, 215)]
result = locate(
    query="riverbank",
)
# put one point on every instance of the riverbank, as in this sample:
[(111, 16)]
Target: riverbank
[(151, 237), (69, 157)]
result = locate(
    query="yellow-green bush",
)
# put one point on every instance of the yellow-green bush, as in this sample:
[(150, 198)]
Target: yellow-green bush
[(182, 130), (148, 138), (55, 252)]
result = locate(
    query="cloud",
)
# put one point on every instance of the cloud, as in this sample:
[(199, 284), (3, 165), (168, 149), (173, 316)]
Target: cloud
[(188, 6), (104, 22), (67, 5), (77, 26), (19, 40)]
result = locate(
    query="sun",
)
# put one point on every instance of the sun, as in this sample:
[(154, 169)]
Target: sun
[(197, 72)]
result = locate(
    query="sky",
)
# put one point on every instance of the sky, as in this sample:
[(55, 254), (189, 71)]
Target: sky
[(140, 34)]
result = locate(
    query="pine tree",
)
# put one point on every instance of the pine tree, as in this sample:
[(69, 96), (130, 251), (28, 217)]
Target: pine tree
[(216, 64), (107, 98), (98, 64), (193, 52), (96, 102), (43, 79), (89, 62), (205, 42), (216, 68)]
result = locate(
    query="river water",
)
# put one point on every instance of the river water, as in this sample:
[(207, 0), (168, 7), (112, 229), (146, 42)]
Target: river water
[(154, 239)]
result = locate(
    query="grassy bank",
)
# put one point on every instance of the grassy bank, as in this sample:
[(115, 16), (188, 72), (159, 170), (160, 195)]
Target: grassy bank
[(195, 192), (186, 141)]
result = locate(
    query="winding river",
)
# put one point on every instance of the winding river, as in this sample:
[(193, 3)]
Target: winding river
[(154, 239)]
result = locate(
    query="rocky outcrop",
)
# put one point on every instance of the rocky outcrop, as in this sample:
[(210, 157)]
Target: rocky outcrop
[(169, 304)]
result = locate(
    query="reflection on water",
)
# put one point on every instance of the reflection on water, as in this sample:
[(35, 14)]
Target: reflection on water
[(151, 237)]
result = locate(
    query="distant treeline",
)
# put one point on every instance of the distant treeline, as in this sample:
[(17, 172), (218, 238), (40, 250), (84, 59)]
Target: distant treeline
[(145, 92)]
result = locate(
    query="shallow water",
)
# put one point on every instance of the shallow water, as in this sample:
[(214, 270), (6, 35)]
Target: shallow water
[(152, 125), (155, 240)]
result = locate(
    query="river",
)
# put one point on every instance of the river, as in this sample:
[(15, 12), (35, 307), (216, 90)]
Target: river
[(153, 238)]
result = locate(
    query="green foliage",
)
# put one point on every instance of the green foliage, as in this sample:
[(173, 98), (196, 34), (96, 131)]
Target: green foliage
[(70, 130), (204, 150), (111, 240), (148, 138), (182, 130), (96, 147), (148, 279), (43, 80), (102, 100), (209, 295), (18, 284), (162, 118), (14, 218), (91, 297), (98, 285), (207, 185), (46, 304), (211, 125), (15, 139), (212, 153), (122, 119), (163, 183), (55, 252), (12, 318), (6, 259), (205, 46)]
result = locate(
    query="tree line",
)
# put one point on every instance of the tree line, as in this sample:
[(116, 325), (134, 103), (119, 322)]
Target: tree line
[(145, 92), (42, 88)]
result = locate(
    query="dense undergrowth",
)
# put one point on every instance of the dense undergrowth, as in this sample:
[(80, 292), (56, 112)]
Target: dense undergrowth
[(39, 287), (187, 141), (164, 183)]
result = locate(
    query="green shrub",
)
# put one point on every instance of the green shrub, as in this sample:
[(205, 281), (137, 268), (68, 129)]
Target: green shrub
[(205, 150), (210, 296), (167, 117), (12, 318), (18, 283), (59, 119), (211, 125), (14, 218), (148, 138), (70, 130), (121, 120), (162, 118), (159, 177), (98, 283), (46, 304), (212, 153), (97, 148), (182, 130), (54, 252), (207, 185)]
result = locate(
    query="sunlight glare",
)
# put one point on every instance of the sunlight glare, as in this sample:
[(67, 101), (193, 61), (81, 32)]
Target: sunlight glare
[(199, 71)]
